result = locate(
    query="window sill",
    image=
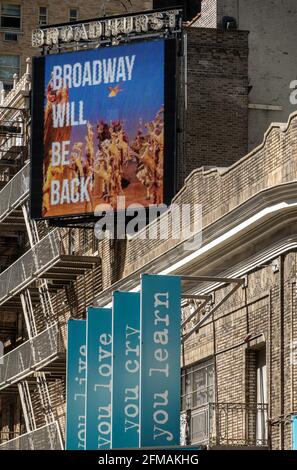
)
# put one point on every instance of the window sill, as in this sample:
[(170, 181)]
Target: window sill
[(11, 30)]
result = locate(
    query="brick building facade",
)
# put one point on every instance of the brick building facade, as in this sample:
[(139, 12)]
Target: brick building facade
[(272, 65), (249, 221), (216, 92), (238, 368)]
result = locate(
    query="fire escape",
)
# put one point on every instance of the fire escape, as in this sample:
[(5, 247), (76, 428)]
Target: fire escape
[(47, 265)]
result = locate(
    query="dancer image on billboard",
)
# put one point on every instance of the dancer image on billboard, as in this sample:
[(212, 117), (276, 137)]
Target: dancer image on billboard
[(103, 128)]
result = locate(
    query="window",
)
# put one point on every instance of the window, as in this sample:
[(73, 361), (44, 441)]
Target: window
[(10, 37), (73, 14), (197, 390), (261, 391), (10, 16), (9, 65), (256, 383), (42, 15), (197, 385)]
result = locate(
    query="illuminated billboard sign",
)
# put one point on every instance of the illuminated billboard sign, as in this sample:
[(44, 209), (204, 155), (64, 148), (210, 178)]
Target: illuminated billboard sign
[(103, 126)]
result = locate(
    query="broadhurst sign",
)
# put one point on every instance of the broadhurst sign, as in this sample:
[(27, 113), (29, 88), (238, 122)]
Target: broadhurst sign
[(113, 29), (132, 395)]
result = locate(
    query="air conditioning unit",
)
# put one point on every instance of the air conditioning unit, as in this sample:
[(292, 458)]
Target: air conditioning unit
[(11, 37), (228, 22)]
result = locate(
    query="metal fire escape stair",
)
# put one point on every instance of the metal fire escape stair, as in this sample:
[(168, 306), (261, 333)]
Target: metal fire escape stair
[(27, 407), (45, 300)]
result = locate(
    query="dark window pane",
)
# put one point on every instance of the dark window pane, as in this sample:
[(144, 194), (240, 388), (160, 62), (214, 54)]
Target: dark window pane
[(7, 86), (10, 22), (73, 14)]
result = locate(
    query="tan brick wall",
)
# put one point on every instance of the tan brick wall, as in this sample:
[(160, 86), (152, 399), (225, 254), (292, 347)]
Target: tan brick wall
[(214, 129), (246, 314)]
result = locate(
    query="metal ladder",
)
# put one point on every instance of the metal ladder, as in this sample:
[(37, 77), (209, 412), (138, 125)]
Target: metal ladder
[(28, 410), (44, 295), (47, 308)]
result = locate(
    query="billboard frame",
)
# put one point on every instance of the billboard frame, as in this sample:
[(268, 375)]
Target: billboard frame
[(37, 133)]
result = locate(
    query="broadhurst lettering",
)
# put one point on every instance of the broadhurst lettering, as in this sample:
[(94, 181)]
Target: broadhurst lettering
[(113, 27)]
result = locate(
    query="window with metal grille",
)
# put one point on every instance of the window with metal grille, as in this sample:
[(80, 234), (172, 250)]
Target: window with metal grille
[(10, 16), (9, 65), (43, 15), (197, 385), (73, 14), (10, 37)]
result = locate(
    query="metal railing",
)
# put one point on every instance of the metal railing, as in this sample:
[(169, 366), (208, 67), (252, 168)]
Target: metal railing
[(35, 261), (228, 424), (14, 192), (30, 356), (45, 438), (14, 137), (7, 436)]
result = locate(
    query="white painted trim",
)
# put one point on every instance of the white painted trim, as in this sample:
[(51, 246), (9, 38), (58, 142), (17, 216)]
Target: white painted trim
[(255, 219), (265, 107)]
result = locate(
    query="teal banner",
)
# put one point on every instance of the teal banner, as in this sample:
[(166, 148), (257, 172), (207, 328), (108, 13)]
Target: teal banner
[(294, 433), (99, 379), (160, 323), (125, 370), (76, 385)]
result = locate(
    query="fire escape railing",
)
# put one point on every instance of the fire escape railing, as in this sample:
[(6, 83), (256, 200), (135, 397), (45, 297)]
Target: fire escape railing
[(45, 438), (30, 356), (35, 261), (6, 436), (227, 425), (14, 192)]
